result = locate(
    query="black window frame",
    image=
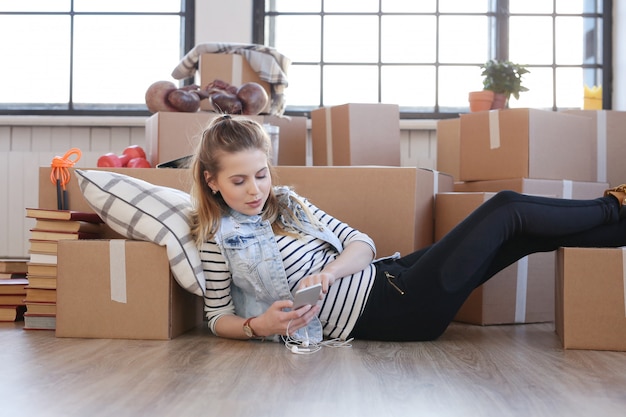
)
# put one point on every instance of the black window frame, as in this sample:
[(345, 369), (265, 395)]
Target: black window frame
[(187, 15), (499, 50)]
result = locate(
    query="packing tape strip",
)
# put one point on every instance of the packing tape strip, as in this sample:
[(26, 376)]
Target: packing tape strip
[(494, 129), (568, 189), (601, 146), (624, 276), (329, 137), (117, 270), (237, 72), (435, 189), (522, 290)]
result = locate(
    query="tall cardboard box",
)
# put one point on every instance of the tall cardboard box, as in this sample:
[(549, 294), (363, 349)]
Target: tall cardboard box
[(608, 127), (232, 68), (393, 205), (356, 134), (590, 298), (521, 293), (172, 135), (526, 143), (449, 146), (121, 289)]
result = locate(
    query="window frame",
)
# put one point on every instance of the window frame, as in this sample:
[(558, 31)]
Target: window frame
[(187, 42), (499, 50)]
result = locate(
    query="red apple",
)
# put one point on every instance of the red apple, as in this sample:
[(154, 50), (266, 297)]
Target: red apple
[(109, 160)]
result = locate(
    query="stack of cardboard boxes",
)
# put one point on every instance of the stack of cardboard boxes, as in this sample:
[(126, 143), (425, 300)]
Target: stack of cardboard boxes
[(355, 150), (558, 154)]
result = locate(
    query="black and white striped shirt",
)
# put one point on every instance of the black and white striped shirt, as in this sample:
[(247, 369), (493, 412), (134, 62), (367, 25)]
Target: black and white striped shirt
[(302, 256)]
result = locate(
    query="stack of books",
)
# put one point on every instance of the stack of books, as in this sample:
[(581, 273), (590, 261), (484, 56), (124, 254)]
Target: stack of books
[(50, 227), (13, 284)]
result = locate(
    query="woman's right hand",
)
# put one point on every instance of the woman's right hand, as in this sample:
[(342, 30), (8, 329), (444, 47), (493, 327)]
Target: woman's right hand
[(276, 320)]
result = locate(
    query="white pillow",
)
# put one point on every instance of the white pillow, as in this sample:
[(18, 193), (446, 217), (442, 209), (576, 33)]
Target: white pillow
[(142, 211)]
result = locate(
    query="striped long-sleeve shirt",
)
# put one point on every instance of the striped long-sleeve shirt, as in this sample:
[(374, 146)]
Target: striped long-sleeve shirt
[(302, 256)]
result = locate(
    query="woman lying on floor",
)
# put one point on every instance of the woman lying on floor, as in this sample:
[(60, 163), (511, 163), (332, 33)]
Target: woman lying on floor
[(260, 243)]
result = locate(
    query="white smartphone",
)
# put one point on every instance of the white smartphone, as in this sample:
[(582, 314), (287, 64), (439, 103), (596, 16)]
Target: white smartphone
[(309, 295)]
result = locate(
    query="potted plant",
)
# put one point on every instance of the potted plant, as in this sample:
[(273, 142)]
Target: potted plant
[(502, 79), (481, 100)]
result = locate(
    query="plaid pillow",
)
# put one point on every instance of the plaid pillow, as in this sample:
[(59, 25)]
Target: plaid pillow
[(142, 211)]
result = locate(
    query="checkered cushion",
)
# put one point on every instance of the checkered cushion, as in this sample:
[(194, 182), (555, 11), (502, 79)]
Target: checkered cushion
[(142, 211)]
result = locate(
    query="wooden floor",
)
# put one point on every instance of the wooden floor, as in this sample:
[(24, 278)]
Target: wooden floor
[(498, 371)]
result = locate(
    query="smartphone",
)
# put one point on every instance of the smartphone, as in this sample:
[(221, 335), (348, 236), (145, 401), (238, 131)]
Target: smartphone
[(309, 295)]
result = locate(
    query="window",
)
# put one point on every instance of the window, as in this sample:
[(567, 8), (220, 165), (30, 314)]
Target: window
[(89, 56), (426, 55)]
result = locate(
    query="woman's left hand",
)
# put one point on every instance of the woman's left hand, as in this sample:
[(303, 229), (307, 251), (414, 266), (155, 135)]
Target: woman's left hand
[(355, 257), (324, 278)]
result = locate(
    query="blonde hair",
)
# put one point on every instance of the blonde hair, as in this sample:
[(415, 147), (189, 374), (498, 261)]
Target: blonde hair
[(225, 135)]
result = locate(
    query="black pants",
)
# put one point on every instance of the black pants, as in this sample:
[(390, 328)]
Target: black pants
[(437, 280)]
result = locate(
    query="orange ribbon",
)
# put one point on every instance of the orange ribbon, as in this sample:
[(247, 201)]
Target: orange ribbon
[(60, 166)]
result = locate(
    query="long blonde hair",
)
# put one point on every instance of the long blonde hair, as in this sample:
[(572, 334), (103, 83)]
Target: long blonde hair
[(225, 135)]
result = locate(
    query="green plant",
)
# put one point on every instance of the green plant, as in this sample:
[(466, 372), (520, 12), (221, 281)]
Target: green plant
[(504, 77)]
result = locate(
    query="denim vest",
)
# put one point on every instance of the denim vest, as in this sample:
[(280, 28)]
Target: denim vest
[(249, 246)]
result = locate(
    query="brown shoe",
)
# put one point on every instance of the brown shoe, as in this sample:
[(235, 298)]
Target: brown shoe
[(618, 192)]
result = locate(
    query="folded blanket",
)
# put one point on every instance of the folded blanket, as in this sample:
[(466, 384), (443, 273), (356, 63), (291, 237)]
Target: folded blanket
[(269, 64)]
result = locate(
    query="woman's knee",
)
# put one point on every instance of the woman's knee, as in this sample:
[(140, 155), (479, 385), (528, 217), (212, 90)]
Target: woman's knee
[(506, 196)]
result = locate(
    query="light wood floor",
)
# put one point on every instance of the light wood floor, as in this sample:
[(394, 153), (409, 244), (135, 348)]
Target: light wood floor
[(471, 371)]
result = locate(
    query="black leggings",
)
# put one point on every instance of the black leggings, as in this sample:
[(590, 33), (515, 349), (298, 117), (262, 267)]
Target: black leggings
[(437, 280)]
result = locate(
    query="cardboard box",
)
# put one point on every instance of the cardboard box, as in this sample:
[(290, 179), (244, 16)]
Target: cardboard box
[(590, 298), (172, 135), (393, 205), (553, 188), (232, 68), (526, 143), (608, 127), (449, 147), (120, 289), (521, 293), (356, 134), (398, 218)]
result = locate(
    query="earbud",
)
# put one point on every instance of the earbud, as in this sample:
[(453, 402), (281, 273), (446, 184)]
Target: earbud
[(297, 350), (305, 343)]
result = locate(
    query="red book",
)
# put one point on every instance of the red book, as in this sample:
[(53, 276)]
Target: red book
[(40, 295), (12, 299), (52, 235), (68, 226), (46, 309)]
